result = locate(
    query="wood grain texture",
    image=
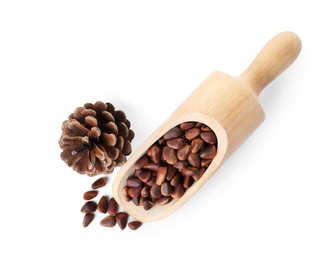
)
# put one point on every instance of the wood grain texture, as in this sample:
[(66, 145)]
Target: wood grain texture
[(228, 105)]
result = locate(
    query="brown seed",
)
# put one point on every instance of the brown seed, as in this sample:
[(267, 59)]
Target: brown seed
[(99, 183), (170, 172), (206, 162), (209, 137), (196, 145), (161, 175), (166, 189), (199, 174), (208, 152), (164, 154), (188, 182), (90, 194), (108, 221), (175, 143), (103, 204), (189, 171), (154, 152), (152, 166), (125, 194), (205, 128), (173, 133), (136, 201), (133, 182), (180, 164), (137, 172), (183, 152), (194, 160), (192, 133), (151, 181), (161, 141), (163, 200), (144, 176), (133, 225), (176, 180), (147, 204), (186, 126), (140, 163), (88, 207), (141, 200), (112, 207), (134, 192), (145, 192), (88, 217), (121, 219), (155, 191), (171, 156), (179, 191)]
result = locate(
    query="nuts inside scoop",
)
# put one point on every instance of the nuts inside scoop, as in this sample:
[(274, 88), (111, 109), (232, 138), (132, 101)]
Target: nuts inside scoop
[(171, 165)]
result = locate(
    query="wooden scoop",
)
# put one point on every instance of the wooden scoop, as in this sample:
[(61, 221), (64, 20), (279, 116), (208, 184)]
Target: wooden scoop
[(229, 106)]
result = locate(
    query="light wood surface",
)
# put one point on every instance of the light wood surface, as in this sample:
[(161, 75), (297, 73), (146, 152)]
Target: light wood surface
[(228, 105)]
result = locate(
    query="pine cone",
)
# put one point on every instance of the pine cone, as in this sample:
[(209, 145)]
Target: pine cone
[(95, 139)]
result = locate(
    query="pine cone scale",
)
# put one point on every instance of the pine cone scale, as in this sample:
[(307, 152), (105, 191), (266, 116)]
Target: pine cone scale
[(94, 133), (88, 112), (110, 127), (78, 113), (75, 127), (106, 117), (122, 130), (108, 139), (91, 121)]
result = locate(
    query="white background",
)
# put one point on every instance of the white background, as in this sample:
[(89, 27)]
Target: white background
[(269, 201)]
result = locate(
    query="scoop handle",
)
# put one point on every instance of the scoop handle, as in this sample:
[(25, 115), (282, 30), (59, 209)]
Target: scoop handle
[(275, 57)]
